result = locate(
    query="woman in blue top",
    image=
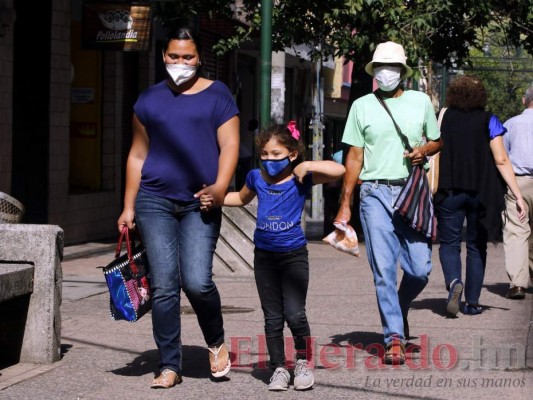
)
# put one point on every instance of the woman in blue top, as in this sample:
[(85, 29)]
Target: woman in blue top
[(473, 171), (185, 143), (281, 265)]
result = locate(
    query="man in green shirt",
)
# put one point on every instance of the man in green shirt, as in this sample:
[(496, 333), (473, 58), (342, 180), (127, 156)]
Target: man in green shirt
[(377, 156)]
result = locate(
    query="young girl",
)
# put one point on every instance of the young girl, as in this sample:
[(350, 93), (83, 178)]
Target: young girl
[(281, 265)]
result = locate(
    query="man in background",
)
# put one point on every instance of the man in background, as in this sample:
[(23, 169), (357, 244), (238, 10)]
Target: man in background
[(517, 236)]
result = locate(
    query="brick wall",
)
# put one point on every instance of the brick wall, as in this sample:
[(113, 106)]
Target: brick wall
[(89, 216)]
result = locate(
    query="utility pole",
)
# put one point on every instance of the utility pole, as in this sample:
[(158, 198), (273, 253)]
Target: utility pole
[(317, 127), (266, 63)]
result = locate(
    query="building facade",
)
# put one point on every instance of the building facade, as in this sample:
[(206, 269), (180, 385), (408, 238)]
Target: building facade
[(66, 110), (66, 106)]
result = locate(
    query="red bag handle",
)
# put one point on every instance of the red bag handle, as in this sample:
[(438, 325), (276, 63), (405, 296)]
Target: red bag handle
[(126, 233), (120, 239)]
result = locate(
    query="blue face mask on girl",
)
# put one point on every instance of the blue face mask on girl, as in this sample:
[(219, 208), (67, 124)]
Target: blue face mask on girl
[(275, 167)]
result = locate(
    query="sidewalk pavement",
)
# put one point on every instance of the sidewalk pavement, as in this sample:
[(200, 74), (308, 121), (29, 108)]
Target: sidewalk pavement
[(488, 356)]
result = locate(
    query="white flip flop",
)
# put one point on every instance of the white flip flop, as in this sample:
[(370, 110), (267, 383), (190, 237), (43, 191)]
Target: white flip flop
[(215, 351)]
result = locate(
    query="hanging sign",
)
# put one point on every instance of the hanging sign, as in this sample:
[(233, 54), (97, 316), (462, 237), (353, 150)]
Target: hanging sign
[(116, 26)]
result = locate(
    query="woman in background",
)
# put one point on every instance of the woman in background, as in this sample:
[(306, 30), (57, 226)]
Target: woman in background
[(474, 169)]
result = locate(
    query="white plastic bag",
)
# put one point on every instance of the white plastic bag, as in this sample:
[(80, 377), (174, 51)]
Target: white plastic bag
[(343, 238)]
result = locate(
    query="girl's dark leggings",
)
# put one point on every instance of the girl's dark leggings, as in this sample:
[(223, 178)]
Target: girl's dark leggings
[(282, 280)]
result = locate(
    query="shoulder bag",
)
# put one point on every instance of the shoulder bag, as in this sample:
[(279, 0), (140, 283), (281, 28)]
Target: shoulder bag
[(415, 201)]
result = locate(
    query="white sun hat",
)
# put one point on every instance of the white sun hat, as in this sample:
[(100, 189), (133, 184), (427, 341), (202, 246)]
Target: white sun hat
[(389, 53)]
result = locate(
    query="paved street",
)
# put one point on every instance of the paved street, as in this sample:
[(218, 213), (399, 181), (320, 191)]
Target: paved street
[(470, 357)]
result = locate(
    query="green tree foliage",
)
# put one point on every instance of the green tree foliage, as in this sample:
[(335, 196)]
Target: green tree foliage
[(349, 28), (179, 12), (513, 20), (506, 75), (439, 30), (444, 31)]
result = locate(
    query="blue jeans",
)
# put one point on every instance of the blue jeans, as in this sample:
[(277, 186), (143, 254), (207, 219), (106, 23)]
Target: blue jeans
[(389, 240), (451, 214), (282, 280), (180, 243)]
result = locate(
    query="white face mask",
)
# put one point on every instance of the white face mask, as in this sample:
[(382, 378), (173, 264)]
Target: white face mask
[(387, 77), (181, 73)]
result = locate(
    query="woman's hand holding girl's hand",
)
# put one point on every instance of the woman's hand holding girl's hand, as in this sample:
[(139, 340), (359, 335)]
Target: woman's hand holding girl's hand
[(300, 171), (210, 197), (206, 202)]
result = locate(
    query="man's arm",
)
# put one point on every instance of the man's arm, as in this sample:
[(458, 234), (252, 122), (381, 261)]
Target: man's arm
[(418, 155), (353, 164)]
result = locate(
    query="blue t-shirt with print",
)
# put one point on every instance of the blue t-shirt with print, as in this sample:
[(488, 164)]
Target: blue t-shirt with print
[(279, 212)]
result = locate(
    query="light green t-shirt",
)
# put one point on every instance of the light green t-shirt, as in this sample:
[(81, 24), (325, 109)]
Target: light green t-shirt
[(370, 126)]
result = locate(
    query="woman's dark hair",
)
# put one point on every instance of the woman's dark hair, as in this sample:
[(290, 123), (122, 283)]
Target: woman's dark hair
[(183, 33), (466, 92), (284, 137)]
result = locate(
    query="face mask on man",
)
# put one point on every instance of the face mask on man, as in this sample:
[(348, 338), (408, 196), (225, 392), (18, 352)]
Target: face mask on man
[(387, 77), (181, 73), (275, 167)]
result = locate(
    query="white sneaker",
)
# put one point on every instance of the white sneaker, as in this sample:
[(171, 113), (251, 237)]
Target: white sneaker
[(303, 377), (280, 379)]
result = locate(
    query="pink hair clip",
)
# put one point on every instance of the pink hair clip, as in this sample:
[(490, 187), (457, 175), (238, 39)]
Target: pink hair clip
[(295, 133)]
